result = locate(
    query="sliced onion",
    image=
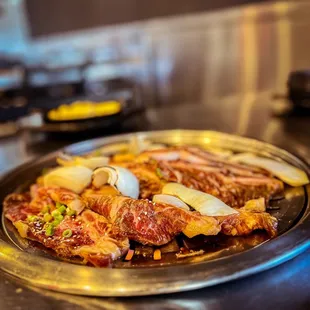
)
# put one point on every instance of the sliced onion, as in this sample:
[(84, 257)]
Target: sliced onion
[(89, 162), (75, 178), (138, 144), (105, 175), (162, 155), (204, 203), (223, 153), (111, 149), (192, 158), (171, 200), (155, 146), (285, 172), (125, 182), (135, 145), (172, 155), (76, 205)]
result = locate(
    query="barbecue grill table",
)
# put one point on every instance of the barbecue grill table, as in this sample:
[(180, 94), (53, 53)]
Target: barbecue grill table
[(250, 114)]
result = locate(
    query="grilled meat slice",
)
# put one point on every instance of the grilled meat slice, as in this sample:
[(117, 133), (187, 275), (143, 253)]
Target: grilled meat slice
[(150, 223), (233, 190), (250, 217), (88, 235), (195, 223), (16, 207), (43, 196), (149, 181), (235, 168), (232, 183), (195, 155)]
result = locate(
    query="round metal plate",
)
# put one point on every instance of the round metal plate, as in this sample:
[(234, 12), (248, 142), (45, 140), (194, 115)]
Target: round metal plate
[(40, 270)]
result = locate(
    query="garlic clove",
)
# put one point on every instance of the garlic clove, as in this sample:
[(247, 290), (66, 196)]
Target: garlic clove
[(124, 180), (104, 175)]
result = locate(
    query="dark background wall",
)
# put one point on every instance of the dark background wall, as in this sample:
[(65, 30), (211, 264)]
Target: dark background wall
[(49, 17)]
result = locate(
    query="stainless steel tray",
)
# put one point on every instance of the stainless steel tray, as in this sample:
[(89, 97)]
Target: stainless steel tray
[(44, 271)]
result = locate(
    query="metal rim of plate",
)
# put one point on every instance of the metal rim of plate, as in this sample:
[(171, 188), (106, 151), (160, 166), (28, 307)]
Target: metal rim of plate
[(83, 280)]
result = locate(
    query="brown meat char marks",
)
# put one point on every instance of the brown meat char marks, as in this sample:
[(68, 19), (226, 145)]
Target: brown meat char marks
[(93, 238)]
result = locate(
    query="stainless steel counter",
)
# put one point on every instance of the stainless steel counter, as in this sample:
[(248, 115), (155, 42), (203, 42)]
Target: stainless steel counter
[(249, 110)]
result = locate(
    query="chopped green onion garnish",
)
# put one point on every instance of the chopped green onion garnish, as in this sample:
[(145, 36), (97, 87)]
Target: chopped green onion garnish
[(55, 223), (55, 213), (49, 230), (62, 209), (159, 172), (70, 212), (67, 233), (58, 204), (57, 220), (47, 217), (59, 217), (32, 218)]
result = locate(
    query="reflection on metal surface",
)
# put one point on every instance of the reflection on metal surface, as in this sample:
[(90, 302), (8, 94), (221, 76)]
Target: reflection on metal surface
[(272, 128), (284, 42), (127, 304), (293, 192), (250, 68)]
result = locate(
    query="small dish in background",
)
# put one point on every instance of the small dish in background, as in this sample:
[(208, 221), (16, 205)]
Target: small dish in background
[(83, 110)]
